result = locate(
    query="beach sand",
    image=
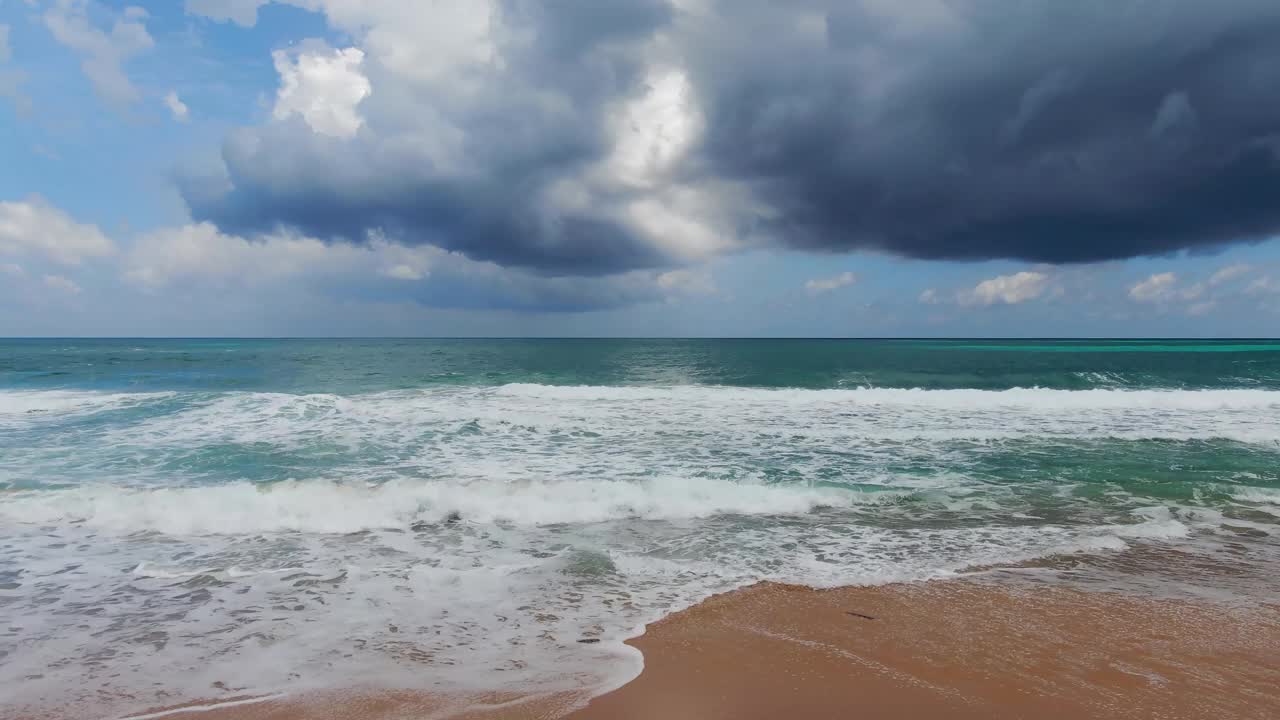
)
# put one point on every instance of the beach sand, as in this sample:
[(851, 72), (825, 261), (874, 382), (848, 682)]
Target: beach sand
[(944, 649), (954, 650)]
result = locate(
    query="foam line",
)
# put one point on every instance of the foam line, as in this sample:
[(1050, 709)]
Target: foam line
[(207, 708)]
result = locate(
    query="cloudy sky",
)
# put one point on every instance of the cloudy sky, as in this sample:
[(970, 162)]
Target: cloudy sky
[(640, 167)]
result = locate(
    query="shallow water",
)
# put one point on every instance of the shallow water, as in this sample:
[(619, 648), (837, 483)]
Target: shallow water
[(460, 514)]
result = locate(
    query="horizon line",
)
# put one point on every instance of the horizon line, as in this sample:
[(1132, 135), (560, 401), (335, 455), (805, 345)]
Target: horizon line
[(1145, 338)]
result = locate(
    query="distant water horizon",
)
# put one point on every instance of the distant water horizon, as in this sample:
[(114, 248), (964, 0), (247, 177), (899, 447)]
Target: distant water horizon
[(483, 513), (1064, 338)]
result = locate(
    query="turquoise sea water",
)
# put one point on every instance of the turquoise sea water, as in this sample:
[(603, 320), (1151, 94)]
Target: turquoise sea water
[(268, 514)]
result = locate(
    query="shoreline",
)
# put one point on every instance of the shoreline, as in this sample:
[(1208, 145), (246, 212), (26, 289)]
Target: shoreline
[(945, 648)]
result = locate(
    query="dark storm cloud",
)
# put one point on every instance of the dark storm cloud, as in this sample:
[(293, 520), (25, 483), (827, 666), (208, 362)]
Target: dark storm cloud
[(972, 129), (511, 290), (1043, 131), (339, 190)]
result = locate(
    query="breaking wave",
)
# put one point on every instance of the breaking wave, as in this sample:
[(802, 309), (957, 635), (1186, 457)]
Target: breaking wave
[(321, 506)]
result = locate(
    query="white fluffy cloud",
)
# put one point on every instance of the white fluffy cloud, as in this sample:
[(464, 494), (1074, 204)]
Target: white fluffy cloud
[(1011, 289), (821, 285), (653, 130), (104, 52), (179, 109), (1167, 290), (324, 86), (1163, 287), (416, 40), (201, 251), (1158, 287), (1229, 273), (34, 227), (424, 42), (1006, 289)]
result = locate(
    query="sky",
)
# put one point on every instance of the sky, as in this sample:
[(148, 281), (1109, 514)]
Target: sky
[(640, 168)]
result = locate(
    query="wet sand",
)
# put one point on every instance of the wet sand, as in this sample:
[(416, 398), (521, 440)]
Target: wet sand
[(941, 649), (953, 650)]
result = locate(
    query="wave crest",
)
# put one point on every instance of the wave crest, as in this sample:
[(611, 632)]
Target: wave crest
[(966, 399)]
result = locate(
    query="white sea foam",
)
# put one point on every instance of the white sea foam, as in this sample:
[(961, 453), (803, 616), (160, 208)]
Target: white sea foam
[(332, 507), (960, 399), (31, 405), (1159, 524), (836, 416), (1152, 529), (538, 433), (1257, 495), (208, 707), (475, 534)]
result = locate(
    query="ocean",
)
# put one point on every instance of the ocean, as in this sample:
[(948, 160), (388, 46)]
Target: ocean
[(461, 515)]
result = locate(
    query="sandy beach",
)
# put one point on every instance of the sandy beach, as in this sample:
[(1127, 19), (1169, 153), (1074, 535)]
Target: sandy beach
[(954, 649)]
